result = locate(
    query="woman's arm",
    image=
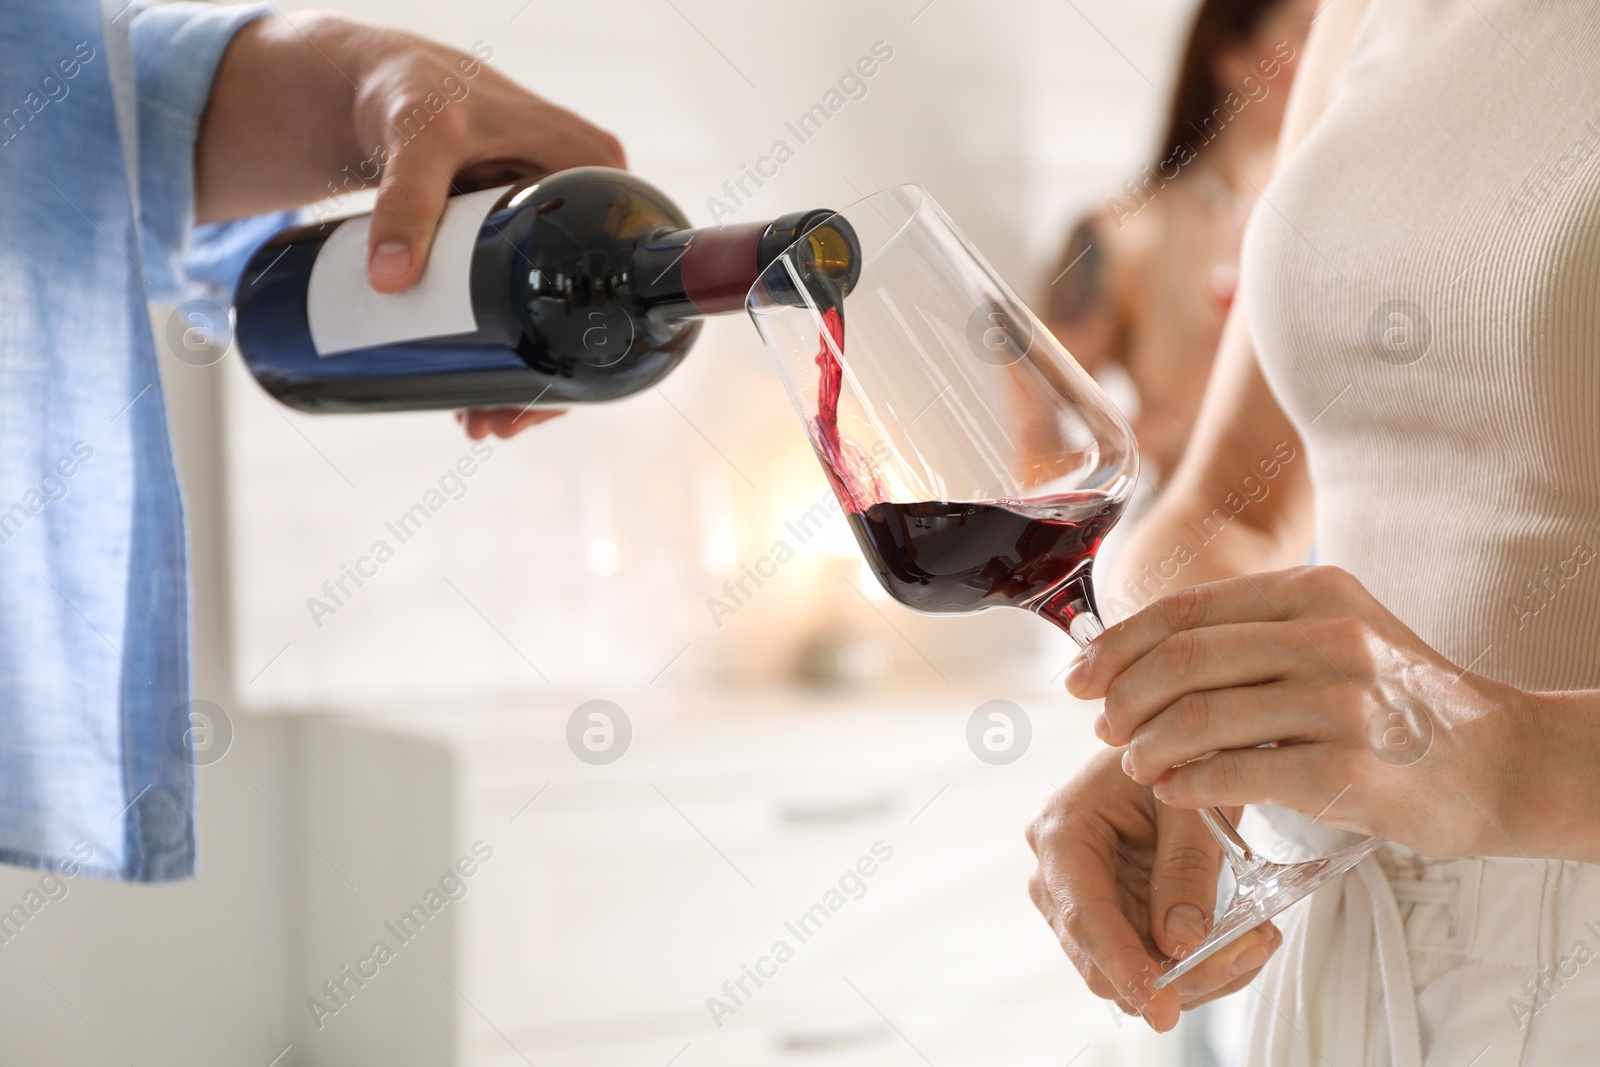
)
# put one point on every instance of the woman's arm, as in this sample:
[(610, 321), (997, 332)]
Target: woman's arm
[(1241, 432), (1243, 446), (1103, 833), (1553, 800), (1372, 730)]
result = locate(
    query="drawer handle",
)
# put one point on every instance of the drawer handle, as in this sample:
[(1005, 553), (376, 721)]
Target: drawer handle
[(832, 1040), (854, 809)]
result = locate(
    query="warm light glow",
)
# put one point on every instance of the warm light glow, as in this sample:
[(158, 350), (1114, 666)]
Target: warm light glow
[(603, 558), (862, 660), (719, 552)]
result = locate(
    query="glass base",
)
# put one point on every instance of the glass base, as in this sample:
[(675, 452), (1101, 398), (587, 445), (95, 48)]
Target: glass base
[(1263, 891)]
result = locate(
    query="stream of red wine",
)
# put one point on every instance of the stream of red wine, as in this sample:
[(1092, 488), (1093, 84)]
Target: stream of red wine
[(944, 557), (840, 473)]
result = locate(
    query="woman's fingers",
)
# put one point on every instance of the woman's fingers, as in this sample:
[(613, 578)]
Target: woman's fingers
[(1216, 657), (1182, 899), (1234, 600), (1076, 891), (1075, 888), (1294, 776), (1183, 880), (1230, 968), (1211, 720), (1277, 596)]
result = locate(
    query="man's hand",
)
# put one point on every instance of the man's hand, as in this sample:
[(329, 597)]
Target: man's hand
[(1125, 882), (503, 422), (310, 107)]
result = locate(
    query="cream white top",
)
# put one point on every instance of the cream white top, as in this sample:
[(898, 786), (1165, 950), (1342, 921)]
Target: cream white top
[(1423, 283)]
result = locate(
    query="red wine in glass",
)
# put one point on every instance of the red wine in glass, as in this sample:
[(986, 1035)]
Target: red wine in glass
[(953, 558), (948, 557)]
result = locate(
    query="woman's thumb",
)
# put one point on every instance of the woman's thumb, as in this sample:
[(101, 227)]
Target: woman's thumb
[(1184, 874)]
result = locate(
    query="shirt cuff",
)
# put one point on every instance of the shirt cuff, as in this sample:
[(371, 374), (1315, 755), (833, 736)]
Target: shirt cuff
[(176, 49)]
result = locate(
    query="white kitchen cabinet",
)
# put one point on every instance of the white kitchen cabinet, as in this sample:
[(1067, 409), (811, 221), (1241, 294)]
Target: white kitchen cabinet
[(624, 896)]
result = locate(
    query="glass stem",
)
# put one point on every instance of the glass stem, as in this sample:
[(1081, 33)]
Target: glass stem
[(1072, 609), (1242, 859)]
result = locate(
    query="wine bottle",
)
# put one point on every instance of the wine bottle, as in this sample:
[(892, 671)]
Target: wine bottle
[(582, 286)]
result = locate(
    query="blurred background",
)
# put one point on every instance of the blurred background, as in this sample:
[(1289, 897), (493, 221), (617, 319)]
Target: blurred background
[(758, 756)]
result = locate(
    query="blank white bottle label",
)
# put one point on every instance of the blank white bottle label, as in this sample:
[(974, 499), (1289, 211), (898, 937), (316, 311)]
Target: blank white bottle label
[(345, 314)]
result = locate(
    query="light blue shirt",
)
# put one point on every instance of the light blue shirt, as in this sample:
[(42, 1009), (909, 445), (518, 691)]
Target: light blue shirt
[(98, 118)]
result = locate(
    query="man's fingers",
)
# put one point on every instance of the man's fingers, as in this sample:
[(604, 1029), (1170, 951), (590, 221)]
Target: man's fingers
[(1184, 874), (503, 422), (411, 197), (528, 136), (508, 422), (419, 177), (1252, 598), (551, 138), (572, 142)]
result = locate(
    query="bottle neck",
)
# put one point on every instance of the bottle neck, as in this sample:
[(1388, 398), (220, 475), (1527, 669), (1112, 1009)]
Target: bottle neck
[(684, 273)]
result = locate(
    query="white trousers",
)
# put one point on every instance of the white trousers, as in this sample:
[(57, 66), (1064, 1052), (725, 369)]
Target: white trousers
[(1411, 961)]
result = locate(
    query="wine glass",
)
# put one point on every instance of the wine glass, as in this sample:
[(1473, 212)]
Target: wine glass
[(978, 464)]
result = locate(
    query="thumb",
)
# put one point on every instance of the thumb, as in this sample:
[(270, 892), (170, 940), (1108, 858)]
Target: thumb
[(411, 199), (1187, 862)]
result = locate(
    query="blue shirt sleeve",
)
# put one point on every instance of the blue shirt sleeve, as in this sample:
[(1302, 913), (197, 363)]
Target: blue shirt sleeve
[(176, 49), (218, 253)]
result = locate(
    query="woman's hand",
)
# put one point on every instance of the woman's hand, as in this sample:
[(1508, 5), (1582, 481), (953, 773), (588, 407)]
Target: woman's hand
[(1126, 882), (1373, 731)]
